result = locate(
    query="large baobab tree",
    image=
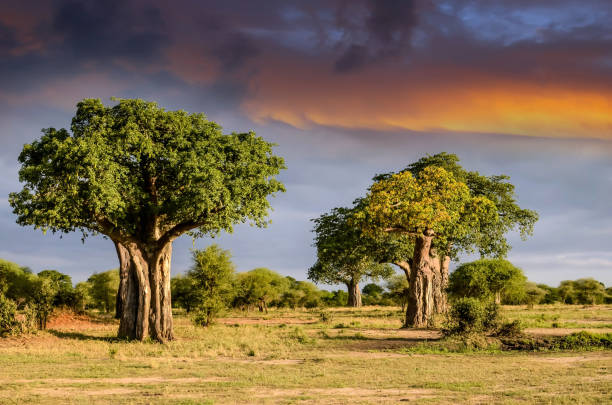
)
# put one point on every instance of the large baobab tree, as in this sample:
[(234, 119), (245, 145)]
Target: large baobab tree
[(142, 176)]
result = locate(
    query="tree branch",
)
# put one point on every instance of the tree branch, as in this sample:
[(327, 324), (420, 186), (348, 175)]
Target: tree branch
[(185, 226)]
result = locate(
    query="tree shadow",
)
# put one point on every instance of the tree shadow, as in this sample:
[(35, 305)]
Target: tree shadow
[(82, 336), (359, 341)]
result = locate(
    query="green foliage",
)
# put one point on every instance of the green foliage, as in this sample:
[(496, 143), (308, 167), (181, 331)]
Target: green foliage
[(398, 288), (510, 329), (487, 234), (585, 340), (487, 278), (134, 169), (470, 315), (63, 284), (44, 291), (259, 287), (300, 294), (534, 294), (467, 211), (183, 294), (344, 253), (372, 289), (8, 308), (211, 277), (103, 289), (585, 291), (15, 281), (82, 296), (580, 341), (337, 298)]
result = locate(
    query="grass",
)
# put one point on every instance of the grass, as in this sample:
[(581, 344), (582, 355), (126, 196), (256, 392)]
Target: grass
[(296, 357)]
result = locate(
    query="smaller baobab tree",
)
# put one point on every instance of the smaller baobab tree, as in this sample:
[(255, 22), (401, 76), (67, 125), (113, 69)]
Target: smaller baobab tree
[(431, 206), (344, 255), (438, 210)]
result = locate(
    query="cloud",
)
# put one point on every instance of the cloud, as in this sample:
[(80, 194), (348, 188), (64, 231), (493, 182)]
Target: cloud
[(112, 29), (382, 30)]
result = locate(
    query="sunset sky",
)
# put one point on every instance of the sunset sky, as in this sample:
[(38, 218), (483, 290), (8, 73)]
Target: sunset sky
[(347, 89)]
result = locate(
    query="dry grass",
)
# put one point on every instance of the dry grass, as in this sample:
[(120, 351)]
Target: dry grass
[(357, 356)]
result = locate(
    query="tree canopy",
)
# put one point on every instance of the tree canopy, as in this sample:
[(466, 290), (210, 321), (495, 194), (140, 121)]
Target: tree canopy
[(137, 171), (433, 201), (345, 254), (487, 278), (259, 287)]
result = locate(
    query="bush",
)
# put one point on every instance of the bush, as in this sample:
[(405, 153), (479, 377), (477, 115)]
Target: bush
[(510, 329), (576, 341), (465, 316), (7, 315), (472, 316), (207, 311)]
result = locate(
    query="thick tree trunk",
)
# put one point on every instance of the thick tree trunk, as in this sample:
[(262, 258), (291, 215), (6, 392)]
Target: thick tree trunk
[(354, 294), (420, 299), (124, 266), (147, 310)]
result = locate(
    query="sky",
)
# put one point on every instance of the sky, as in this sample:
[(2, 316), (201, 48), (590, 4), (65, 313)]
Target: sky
[(347, 90)]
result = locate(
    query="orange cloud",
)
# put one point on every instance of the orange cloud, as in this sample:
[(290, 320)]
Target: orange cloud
[(429, 98)]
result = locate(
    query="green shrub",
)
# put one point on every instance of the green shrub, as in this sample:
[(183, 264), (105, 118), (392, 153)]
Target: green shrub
[(510, 329), (576, 341), (585, 341), (7, 315), (471, 316), (465, 316)]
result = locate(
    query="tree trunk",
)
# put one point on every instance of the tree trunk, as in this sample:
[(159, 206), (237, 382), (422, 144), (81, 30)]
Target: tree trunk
[(354, 294), (498, 297), (420, 299), (124, 265), (439, 266), (147, 310), (442, 305)]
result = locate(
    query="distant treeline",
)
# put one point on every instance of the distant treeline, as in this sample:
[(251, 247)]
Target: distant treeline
[(212, 284)]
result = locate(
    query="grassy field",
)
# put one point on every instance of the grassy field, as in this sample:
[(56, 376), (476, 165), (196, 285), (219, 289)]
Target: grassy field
[(345, 356)]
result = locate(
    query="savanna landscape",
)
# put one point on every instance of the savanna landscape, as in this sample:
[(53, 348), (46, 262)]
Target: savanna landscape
[(293, 356), (305, 202)]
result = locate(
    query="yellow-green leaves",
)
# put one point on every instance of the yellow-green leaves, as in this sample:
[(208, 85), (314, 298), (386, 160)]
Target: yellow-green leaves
[(404, 204)]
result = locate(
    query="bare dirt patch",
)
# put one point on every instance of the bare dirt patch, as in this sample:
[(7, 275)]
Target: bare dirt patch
[(71, 320)]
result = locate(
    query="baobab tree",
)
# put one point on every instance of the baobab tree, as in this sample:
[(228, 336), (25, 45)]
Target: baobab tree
[(142, 176), (444, 210), (345, 255)]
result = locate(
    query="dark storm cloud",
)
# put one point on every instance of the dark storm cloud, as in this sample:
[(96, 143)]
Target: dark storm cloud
[(234, 51), (112, 28), (383, 30), (8, 41)]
